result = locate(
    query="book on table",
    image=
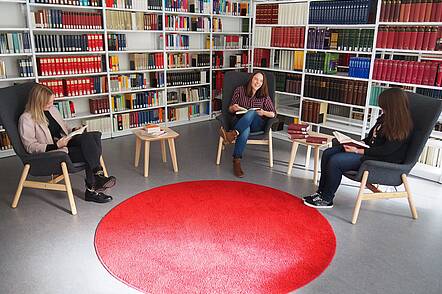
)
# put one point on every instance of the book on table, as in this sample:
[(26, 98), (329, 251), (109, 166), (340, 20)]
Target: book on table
[(77, 132), (346, 140), (243, 110), (153, 130)]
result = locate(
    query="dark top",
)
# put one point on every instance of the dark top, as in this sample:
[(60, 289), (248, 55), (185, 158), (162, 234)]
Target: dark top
[(55, 129), (382, 149)]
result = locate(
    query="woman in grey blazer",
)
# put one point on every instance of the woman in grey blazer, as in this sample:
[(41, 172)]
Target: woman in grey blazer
[(42, 129)]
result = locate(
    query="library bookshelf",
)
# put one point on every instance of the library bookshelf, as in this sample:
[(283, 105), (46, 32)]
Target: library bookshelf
[(323, 60), (152, 59)]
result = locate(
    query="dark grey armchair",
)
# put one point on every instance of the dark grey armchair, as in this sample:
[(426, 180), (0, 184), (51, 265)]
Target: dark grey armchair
[(425, 112), (55, 164), (232, 80)]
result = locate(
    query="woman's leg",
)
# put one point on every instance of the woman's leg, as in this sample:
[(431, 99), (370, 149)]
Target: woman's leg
[(326, 155), (89, 149), (250, 121)]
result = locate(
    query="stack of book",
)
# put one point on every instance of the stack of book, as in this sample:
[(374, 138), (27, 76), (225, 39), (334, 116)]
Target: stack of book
[(153, 130), (298, 131), (411, 11)]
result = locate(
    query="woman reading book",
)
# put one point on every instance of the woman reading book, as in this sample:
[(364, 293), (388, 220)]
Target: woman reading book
[(42, 129), (387, 141), (254, 98)]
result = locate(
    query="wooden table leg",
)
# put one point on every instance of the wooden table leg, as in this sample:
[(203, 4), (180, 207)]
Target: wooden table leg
[(316, 163), (292, 157), (307, 157), (163, 150), (137, 151), (173, 154), (146, 158)]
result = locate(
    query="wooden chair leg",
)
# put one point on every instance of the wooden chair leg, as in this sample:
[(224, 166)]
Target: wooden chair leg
[(103, 166), (23, 177), (410, 198), (359, 200), (67, 181), (271, 148), (220, 149)]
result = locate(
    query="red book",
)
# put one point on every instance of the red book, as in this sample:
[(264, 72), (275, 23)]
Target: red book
[(295, 136), (298, 127), (414, 71), (428, 8), (316, 140), (439, 76), (423, 7), (420, 38), (413, 11), (376, 70), (438, 13), (396, 38), (383, 67), (420, 72), (404, 70), (407, 10), (382, 16), (388, 69), (433, 34), (400, 71), (413, 38), (426, 79), (407, 37), (381, 33), (433, 73), (392, 76), (385, 37), (409, 74), (402, 10), (426, 39), (390, 38)]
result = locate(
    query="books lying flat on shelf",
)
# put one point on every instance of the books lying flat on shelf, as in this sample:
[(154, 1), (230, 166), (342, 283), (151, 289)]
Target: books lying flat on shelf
[(346, 140), (243, 110), (77, 132)]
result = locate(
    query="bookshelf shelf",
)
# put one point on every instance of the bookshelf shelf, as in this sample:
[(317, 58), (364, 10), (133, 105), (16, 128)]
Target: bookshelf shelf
[(79, 97), (230, 15), (231, 49), (6, 153), (60, 6), (137, 109), (339, 126), (14, 29), (230, 33), (187, 103), (279, 69), (186, 32), (70, 53), (288, 94), (280, 25), (229, 68), (187, 68), (343, 26), (337, 76), (68, 30), (411, 23), (407, 52), (186, 50), (136, 51), (187, 13), (134, 31), (340, 51), (188, 86), (407, 85), (17, 79), (200, 118), (13, 1), (335, 103), (122, 72), (349, 121), (86, 115), (280, 48), (73, 75), (15, 54), (136, 91), (134, 10)]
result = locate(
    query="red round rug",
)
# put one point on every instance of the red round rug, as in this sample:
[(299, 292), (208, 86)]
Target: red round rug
[(214, 237)]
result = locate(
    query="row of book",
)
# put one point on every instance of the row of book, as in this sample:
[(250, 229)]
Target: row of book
[(228, 42), (374, 94), (142, 61), (184, 5), (288, 37), (122, 102), (290, 83), (114, 63), (14, 43), (180, 60), (261, 57), (430, 92), (175, 41), (66, 108), (99, 105), (188, 95), (410, 72), (137, 119), (288, 60), (24, 67), (283, 14), (322, 62), (77, 86), (217, 24), (187, 113), (5, 142), (359, 67), (135, 4), (48, 66), (411, 11), (101, 124), (68, 43), (187, 78), (337, 90), (95, 3), (186, 23), (432, 153), (116, 42), (226, 7), (342, 12), (411, 38), (126, 20), (344, 39), (58, 19), (314, 112), (136, 81)]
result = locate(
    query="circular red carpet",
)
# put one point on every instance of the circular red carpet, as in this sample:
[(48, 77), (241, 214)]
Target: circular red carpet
[(214, 237)]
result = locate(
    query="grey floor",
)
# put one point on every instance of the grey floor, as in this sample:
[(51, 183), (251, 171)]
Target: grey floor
[(43, 249)]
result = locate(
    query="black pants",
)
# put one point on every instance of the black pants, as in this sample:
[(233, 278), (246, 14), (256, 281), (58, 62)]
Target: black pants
[(86, 148)]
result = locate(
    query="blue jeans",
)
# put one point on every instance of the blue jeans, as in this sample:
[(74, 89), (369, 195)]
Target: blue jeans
[(334, 163), (249, 122)]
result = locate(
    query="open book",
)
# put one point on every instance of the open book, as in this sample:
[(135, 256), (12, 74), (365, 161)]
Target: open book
[(77, 132), (343, 139), (243, 110)]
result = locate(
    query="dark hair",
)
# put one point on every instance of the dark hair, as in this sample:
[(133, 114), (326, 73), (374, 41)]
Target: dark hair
[(263, 91), (397, 122)]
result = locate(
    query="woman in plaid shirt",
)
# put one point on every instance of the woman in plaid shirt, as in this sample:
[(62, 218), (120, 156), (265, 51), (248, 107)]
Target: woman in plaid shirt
[(255, 98)]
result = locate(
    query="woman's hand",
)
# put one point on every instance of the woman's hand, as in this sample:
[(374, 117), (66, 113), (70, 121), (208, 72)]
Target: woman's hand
[(234, 108), (260, 112), (63, 142), (352, 149)]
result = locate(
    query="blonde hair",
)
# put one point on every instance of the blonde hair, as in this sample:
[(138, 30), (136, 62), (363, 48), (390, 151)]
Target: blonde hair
[(39, 97)]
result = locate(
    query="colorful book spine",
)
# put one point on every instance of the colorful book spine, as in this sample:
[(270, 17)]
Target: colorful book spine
[(68, 43), (426, 38), (50, 66), (137, 119), (76, 86), (14, 42), (342, 12), (343, 39), (58, 19), (117, 42), (187, 78), (411, 11)]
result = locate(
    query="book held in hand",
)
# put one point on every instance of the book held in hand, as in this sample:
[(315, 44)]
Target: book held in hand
[(243, 110), (77, 132), (346, 140)]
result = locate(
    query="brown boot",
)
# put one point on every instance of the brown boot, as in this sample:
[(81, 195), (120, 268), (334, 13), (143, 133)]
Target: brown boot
[(237, 168), (228, 136)]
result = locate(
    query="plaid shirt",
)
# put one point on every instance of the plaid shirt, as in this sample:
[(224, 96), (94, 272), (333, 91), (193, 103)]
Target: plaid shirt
[(240, 98)]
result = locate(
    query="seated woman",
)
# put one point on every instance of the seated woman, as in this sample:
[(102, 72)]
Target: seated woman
[(388, 141), (253, 95), (42, 129)]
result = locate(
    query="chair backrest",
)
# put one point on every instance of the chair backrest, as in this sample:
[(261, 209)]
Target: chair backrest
[(13, 100), (425, 112), (234, 79)]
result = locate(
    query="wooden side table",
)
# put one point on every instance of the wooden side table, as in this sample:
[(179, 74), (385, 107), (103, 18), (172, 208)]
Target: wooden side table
[(141, 136), (295, 144)]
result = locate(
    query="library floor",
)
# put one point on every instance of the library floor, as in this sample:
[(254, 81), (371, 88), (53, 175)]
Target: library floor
[(44, 249)]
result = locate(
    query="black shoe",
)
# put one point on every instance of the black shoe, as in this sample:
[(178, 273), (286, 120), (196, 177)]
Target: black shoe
[(318, 202), (102, 183), (311, 196), (95, 196)]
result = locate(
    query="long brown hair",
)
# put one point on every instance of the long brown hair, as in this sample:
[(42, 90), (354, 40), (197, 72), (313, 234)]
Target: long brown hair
[(39, 97), (263, 91), (397, 122)]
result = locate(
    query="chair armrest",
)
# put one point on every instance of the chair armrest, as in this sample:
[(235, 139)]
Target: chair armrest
[(224, 121), (383, 173), (47, 163), (269, 123)]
